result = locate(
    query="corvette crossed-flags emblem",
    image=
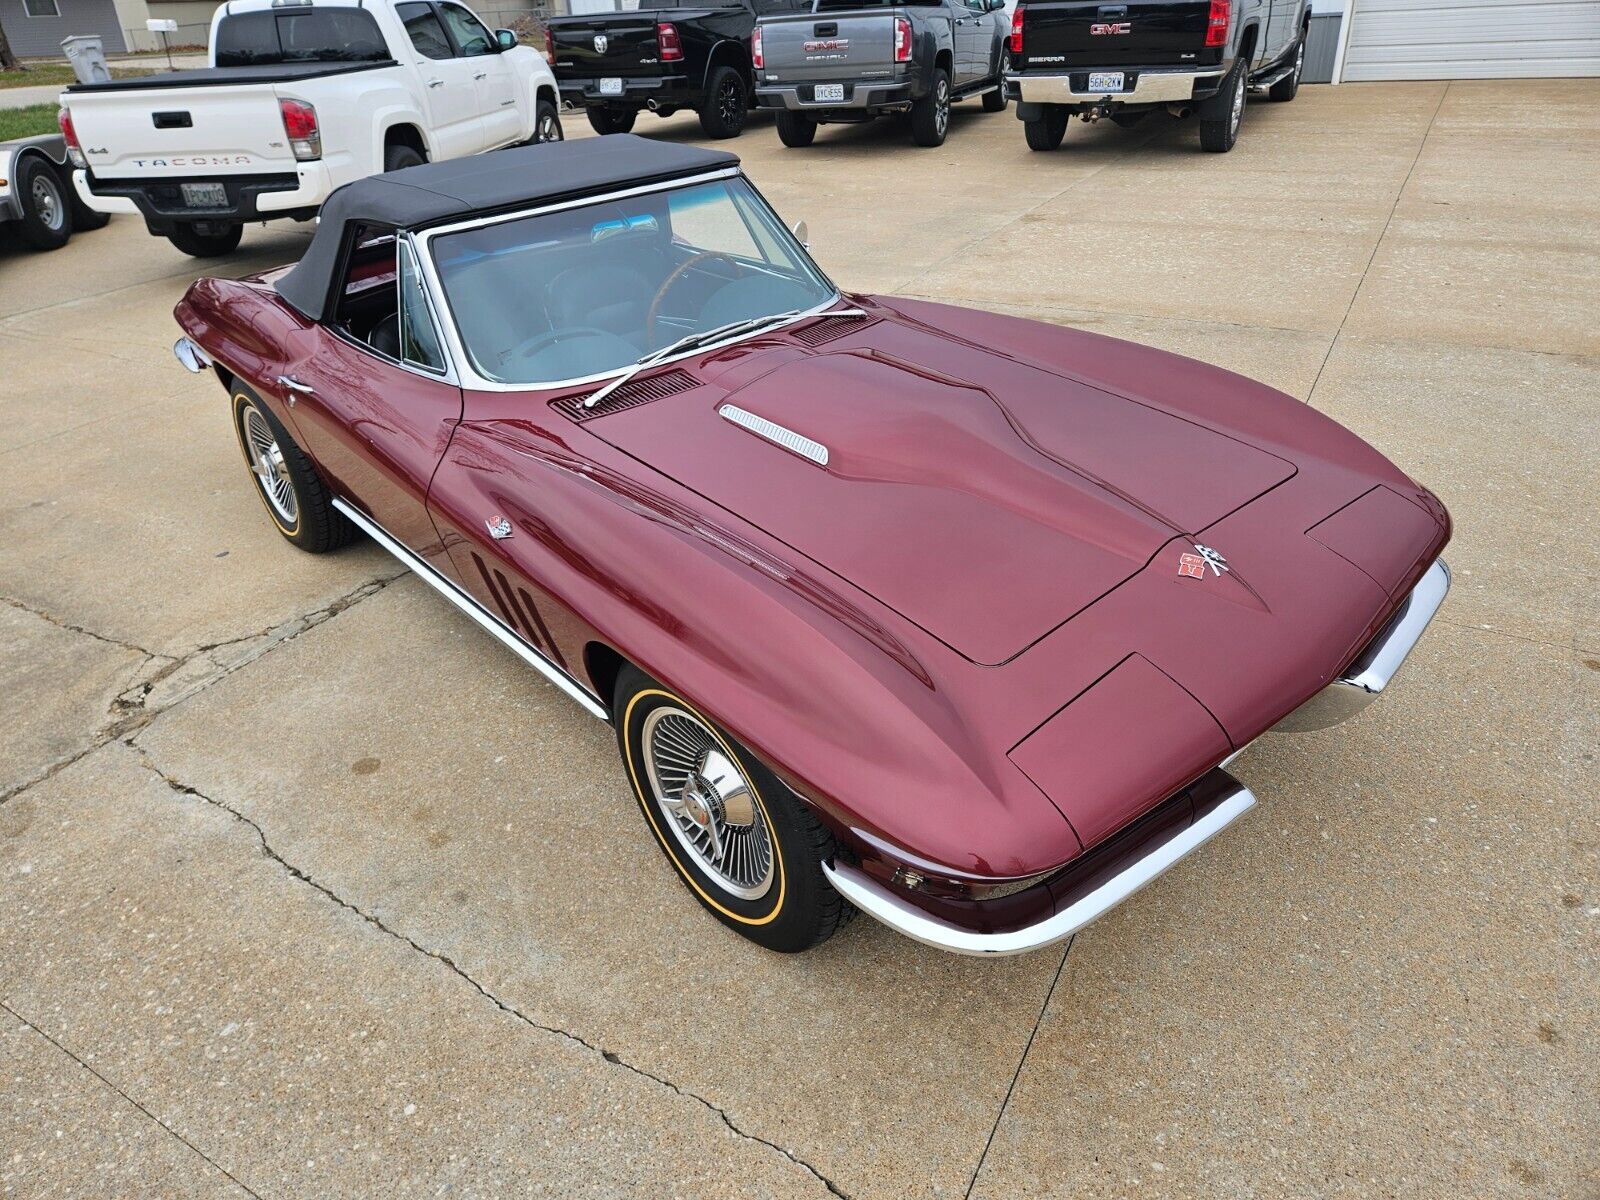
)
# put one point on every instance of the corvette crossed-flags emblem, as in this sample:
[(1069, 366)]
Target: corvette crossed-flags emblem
[(1194, 565)]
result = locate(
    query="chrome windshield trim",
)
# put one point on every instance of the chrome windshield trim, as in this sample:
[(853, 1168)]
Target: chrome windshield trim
[(455, 349), (480, 615), (877, 901)]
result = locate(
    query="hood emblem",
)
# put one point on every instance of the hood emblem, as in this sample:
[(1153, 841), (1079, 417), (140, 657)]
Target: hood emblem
[(1194, 565), (599, 43), (499, 528)]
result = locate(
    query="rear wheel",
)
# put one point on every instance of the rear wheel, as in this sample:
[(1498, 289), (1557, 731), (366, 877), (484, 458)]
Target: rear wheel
[(930, 116), (796, 129), (212, 242), (1221, 116), (749, 850), (610, 120), (1046, 133), (727, 105), (46, 221), (398, 158), (290, 489), (995, 101), (1287, 87), (83, 217)]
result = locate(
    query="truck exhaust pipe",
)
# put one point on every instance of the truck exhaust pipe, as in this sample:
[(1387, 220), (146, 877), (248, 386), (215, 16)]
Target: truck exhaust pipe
[(651, 104)]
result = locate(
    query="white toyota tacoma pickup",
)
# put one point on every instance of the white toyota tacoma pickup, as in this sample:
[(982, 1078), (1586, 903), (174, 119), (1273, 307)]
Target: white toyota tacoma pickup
[(301, 97)]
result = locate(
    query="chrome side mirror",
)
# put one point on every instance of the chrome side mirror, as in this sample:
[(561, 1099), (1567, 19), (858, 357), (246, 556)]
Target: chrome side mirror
[(802, 235), (190, 355)]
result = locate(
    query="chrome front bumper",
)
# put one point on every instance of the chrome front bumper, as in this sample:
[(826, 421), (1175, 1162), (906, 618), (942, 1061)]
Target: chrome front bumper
[(1366, 679), (1149, 87), (1375, 666), (877, 901)]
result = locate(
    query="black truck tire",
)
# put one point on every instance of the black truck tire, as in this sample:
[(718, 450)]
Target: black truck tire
[(1221, 116), (796, 129), (995, 101), (189, 239), (1287, 87), (727, 104), (83, 217), (1046, 133), (398, 158), (930, 116), (610, 120), (46, 221)]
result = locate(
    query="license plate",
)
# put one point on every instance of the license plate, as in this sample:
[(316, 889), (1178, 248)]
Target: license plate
[(828, 91), (205, 195), (1105, 81), (611, 87)]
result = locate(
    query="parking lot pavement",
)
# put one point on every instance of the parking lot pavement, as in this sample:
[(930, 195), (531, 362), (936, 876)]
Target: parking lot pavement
[(309, 889)]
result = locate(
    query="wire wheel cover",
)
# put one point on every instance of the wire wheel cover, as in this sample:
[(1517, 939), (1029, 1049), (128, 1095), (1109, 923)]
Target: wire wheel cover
[(268, 465), (709, 804)]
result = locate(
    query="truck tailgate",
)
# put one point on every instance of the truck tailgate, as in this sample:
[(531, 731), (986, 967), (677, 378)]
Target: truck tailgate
[(1092, 34), (153, 133), (613, 43), (829, 45)]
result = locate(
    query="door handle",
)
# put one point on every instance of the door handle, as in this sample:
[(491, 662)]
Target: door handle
[(291, 385), (481, 75), (435, 83)]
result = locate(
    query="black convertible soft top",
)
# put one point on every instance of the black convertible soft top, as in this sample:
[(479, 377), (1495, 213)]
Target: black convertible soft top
[(504, 180)]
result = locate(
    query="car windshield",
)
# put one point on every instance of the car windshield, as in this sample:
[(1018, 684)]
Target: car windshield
[(590, 290)]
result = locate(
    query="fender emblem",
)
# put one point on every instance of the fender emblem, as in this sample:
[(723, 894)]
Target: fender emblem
[(500, 528), (1194, 565)]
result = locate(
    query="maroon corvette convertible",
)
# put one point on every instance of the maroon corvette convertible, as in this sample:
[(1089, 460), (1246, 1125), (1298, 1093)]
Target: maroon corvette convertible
[(950, 617)]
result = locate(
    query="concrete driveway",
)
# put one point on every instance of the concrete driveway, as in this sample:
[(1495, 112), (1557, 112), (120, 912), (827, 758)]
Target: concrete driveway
[(307, 888)]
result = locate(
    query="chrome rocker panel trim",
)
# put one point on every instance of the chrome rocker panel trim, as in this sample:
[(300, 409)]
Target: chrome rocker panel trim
[(1377, 665), (877, 901), (485, 619), (1151, 87)]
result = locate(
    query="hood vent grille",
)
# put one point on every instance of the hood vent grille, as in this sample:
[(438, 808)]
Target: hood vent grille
[(826, 329), (630, 395)]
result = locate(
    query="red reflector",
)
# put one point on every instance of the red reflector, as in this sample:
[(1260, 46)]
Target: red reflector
[(1016, 32), (1217, 24), (902, 40), (757, 59), (667, 41)]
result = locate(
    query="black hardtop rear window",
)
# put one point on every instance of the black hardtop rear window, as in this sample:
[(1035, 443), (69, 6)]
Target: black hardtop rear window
[(300, 34)]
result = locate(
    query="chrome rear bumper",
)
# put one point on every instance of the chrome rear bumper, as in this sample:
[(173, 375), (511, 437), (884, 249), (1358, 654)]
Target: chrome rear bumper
[(1375, 666), (877, 901), (1149, 87)]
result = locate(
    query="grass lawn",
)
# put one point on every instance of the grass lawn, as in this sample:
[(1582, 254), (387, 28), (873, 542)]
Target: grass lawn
[(57, 74), (25, 122)]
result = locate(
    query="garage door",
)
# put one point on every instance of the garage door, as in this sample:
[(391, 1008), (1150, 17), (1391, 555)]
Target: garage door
[(1472, 39)]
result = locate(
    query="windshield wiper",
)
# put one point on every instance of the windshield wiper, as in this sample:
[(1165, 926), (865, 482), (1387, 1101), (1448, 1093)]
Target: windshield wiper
[(691, 340)]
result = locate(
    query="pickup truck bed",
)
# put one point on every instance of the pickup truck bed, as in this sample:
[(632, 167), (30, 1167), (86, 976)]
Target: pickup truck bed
[(227, 76)]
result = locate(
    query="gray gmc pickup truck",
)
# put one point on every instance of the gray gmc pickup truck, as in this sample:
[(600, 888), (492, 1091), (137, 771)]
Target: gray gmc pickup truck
[(853, 60), (1124, 60)]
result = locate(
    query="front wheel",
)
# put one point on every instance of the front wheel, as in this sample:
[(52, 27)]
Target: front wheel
[(930, 116), (1221, 116), (212, 243), (1289, 86), (727, 105), (749, 850), (796, 129), (610, 120), (287, 483), (46, 221), (1045, 134)]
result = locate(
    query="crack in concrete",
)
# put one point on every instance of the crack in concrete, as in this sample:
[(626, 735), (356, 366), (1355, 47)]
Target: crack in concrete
[(152, 1116), (59, 623), (148, 762), (132, 710)]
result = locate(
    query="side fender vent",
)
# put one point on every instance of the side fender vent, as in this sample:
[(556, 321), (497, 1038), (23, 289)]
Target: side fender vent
[(825, 329), (630, 395)]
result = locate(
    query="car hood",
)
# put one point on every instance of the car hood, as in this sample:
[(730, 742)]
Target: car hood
[(985, 499)]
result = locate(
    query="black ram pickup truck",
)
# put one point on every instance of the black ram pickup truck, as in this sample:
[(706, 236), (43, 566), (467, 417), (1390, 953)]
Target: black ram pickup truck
[(663, 57), (1124, 60)]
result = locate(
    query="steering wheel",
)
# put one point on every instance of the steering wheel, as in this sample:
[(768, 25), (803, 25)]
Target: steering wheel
[(678, 273), (528, 347)]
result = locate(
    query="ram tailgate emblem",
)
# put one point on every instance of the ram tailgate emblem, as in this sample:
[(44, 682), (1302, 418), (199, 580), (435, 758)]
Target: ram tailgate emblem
[(599, 43)]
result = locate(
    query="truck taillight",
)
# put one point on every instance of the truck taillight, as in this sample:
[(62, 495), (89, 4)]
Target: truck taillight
[(300, 124), (757, 59), (550, 47), (1016, 33), (1217, 23), (70, 135), (902, 39), (667, 40)]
